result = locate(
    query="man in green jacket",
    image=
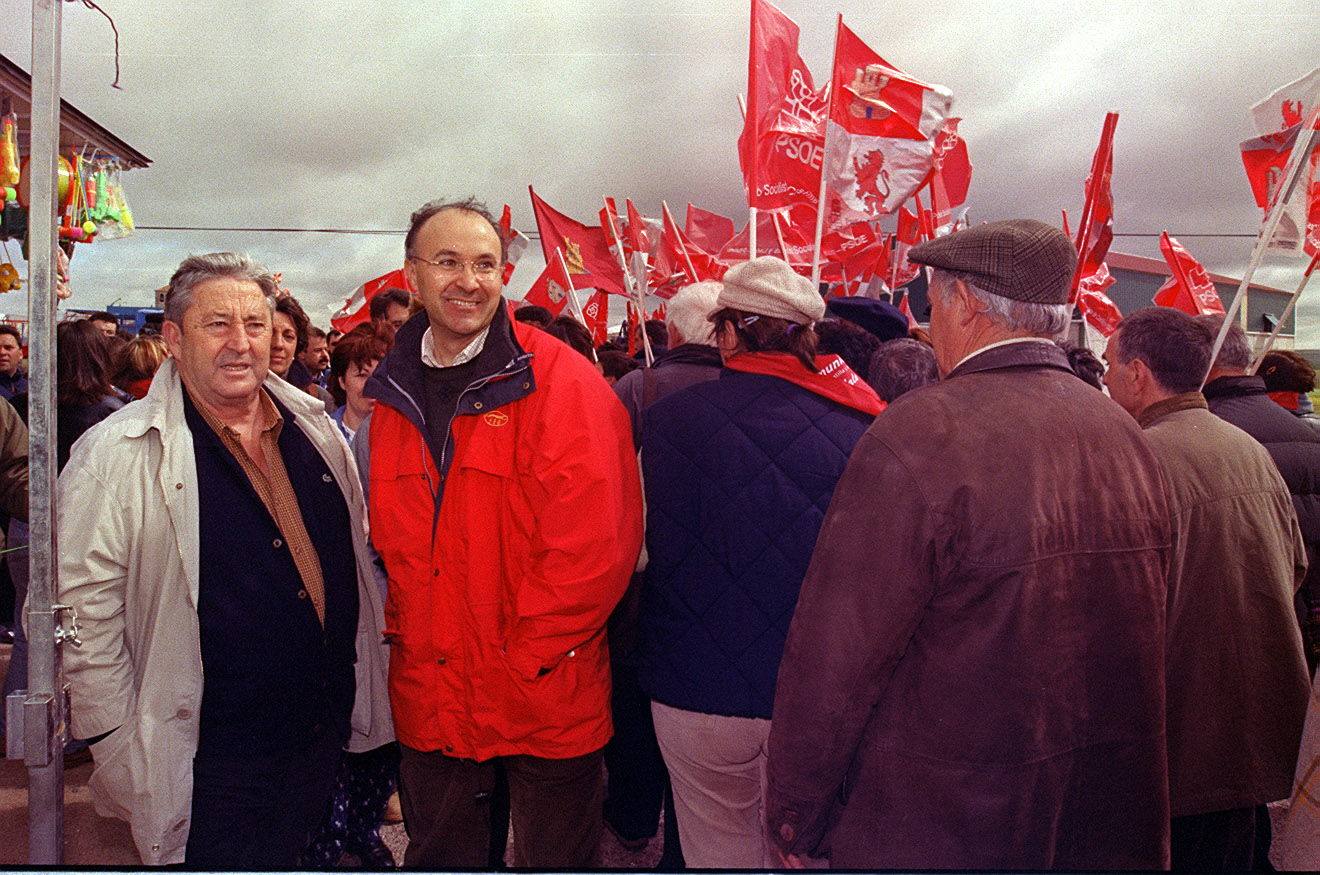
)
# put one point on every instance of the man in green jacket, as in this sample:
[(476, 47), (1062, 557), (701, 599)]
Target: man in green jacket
[(1237, 686)]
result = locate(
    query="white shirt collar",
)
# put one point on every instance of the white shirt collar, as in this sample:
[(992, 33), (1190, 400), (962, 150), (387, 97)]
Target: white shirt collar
[(471, 351), (996, 344)]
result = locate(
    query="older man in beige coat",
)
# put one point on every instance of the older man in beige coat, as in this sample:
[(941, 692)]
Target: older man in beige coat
[(1237, 682), (219, 524)]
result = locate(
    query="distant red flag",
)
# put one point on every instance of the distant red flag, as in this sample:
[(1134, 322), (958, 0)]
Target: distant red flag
[(799, 248), (951, 177), (515, 242), (709, 231), (1095, 228), (678, 261), (597, 312), (356, 309), (638, 242), (879, 136), (1098, 310), (905, 307), (551, 289), (783, 136), (589, 258), (1189, 288), (909, 235)]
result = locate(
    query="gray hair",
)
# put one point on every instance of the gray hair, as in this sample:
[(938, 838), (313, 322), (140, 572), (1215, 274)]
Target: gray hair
[(197, 269), (899, 366), (1236, 353), (1043, 320), (688, 313)]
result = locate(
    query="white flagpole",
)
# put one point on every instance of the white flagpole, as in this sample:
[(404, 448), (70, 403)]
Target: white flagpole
[(573, 303), (1301, 150), (630, 281), (1287, 311), (691, 271), (779, 233), (751, 211), (824, 167)]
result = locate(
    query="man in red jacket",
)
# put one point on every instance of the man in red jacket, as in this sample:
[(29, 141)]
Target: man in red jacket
[(506, 508)]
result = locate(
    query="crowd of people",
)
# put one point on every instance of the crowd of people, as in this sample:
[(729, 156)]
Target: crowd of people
[(815, 588)]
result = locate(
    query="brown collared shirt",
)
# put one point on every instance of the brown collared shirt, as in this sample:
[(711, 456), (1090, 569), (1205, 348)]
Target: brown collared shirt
[(277, 494)]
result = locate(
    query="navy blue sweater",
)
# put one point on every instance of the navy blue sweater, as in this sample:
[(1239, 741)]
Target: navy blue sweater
[(739, 472), (273, 677)]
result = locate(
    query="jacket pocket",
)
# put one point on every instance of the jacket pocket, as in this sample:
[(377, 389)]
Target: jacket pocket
[(114, 793)]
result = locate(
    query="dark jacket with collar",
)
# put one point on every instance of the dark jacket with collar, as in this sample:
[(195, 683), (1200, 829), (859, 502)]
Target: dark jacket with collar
[(738, 473), (684, 365), (974, 677), (1294, 445)]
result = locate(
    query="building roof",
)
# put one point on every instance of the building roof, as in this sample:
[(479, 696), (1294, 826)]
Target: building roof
[(1159, 267), (76, 129)]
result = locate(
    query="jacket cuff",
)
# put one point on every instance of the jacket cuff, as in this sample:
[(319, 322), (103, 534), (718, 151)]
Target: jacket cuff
[(792, 827)]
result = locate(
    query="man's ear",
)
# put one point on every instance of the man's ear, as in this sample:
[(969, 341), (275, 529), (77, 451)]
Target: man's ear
[(969, 306), (172, 334), (410, 271)]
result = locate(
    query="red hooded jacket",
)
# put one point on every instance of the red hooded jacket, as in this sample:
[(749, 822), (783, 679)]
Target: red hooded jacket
[(506, 560)]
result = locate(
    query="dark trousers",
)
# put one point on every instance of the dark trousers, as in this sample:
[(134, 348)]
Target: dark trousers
[(554, 809), (636, 776), (257, 812), (1237, 840)]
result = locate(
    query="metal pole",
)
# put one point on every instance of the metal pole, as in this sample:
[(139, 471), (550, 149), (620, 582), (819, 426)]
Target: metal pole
[(1287, 311), (44, 710)]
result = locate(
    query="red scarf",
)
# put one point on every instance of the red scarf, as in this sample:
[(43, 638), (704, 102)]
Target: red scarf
[(834, 379), (1286, 400)]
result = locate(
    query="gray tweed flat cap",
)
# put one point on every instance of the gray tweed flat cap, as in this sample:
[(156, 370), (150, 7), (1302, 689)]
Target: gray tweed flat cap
[(1020, 259)]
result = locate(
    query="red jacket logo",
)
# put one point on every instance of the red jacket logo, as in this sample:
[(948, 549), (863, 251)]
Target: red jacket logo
[(495, 419)]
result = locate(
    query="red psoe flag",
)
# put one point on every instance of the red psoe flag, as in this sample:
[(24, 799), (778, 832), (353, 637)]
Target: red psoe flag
[(856, 250), (597, 312), (1189, 287), (783, 136), (1098, 310), (515, 242), (589, 258), (709, 231), (1095, 229), (879, 140)]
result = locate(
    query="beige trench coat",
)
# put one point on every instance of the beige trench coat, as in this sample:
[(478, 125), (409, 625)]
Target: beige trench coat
[(128, 535)]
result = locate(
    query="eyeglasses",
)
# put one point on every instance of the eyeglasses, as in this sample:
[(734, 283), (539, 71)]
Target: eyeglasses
[(483, 270)]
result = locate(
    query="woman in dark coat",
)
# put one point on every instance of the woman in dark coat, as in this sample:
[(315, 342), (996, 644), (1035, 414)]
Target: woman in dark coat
[(739, 471), (83, 390)]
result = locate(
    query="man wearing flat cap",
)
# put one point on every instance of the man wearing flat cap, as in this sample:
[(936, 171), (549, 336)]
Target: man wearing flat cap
[(974, 675)]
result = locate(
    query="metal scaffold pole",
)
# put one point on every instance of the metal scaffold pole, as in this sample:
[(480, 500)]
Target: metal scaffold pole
[(44, 708)]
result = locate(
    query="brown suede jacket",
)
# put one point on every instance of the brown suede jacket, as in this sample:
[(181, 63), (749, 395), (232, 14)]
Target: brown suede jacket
[(974, 677)]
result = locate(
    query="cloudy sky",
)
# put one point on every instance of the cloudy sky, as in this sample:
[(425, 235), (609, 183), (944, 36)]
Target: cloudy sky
[(347, 115)]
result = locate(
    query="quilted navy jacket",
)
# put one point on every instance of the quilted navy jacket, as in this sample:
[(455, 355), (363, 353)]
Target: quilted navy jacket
[(738, 473)]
